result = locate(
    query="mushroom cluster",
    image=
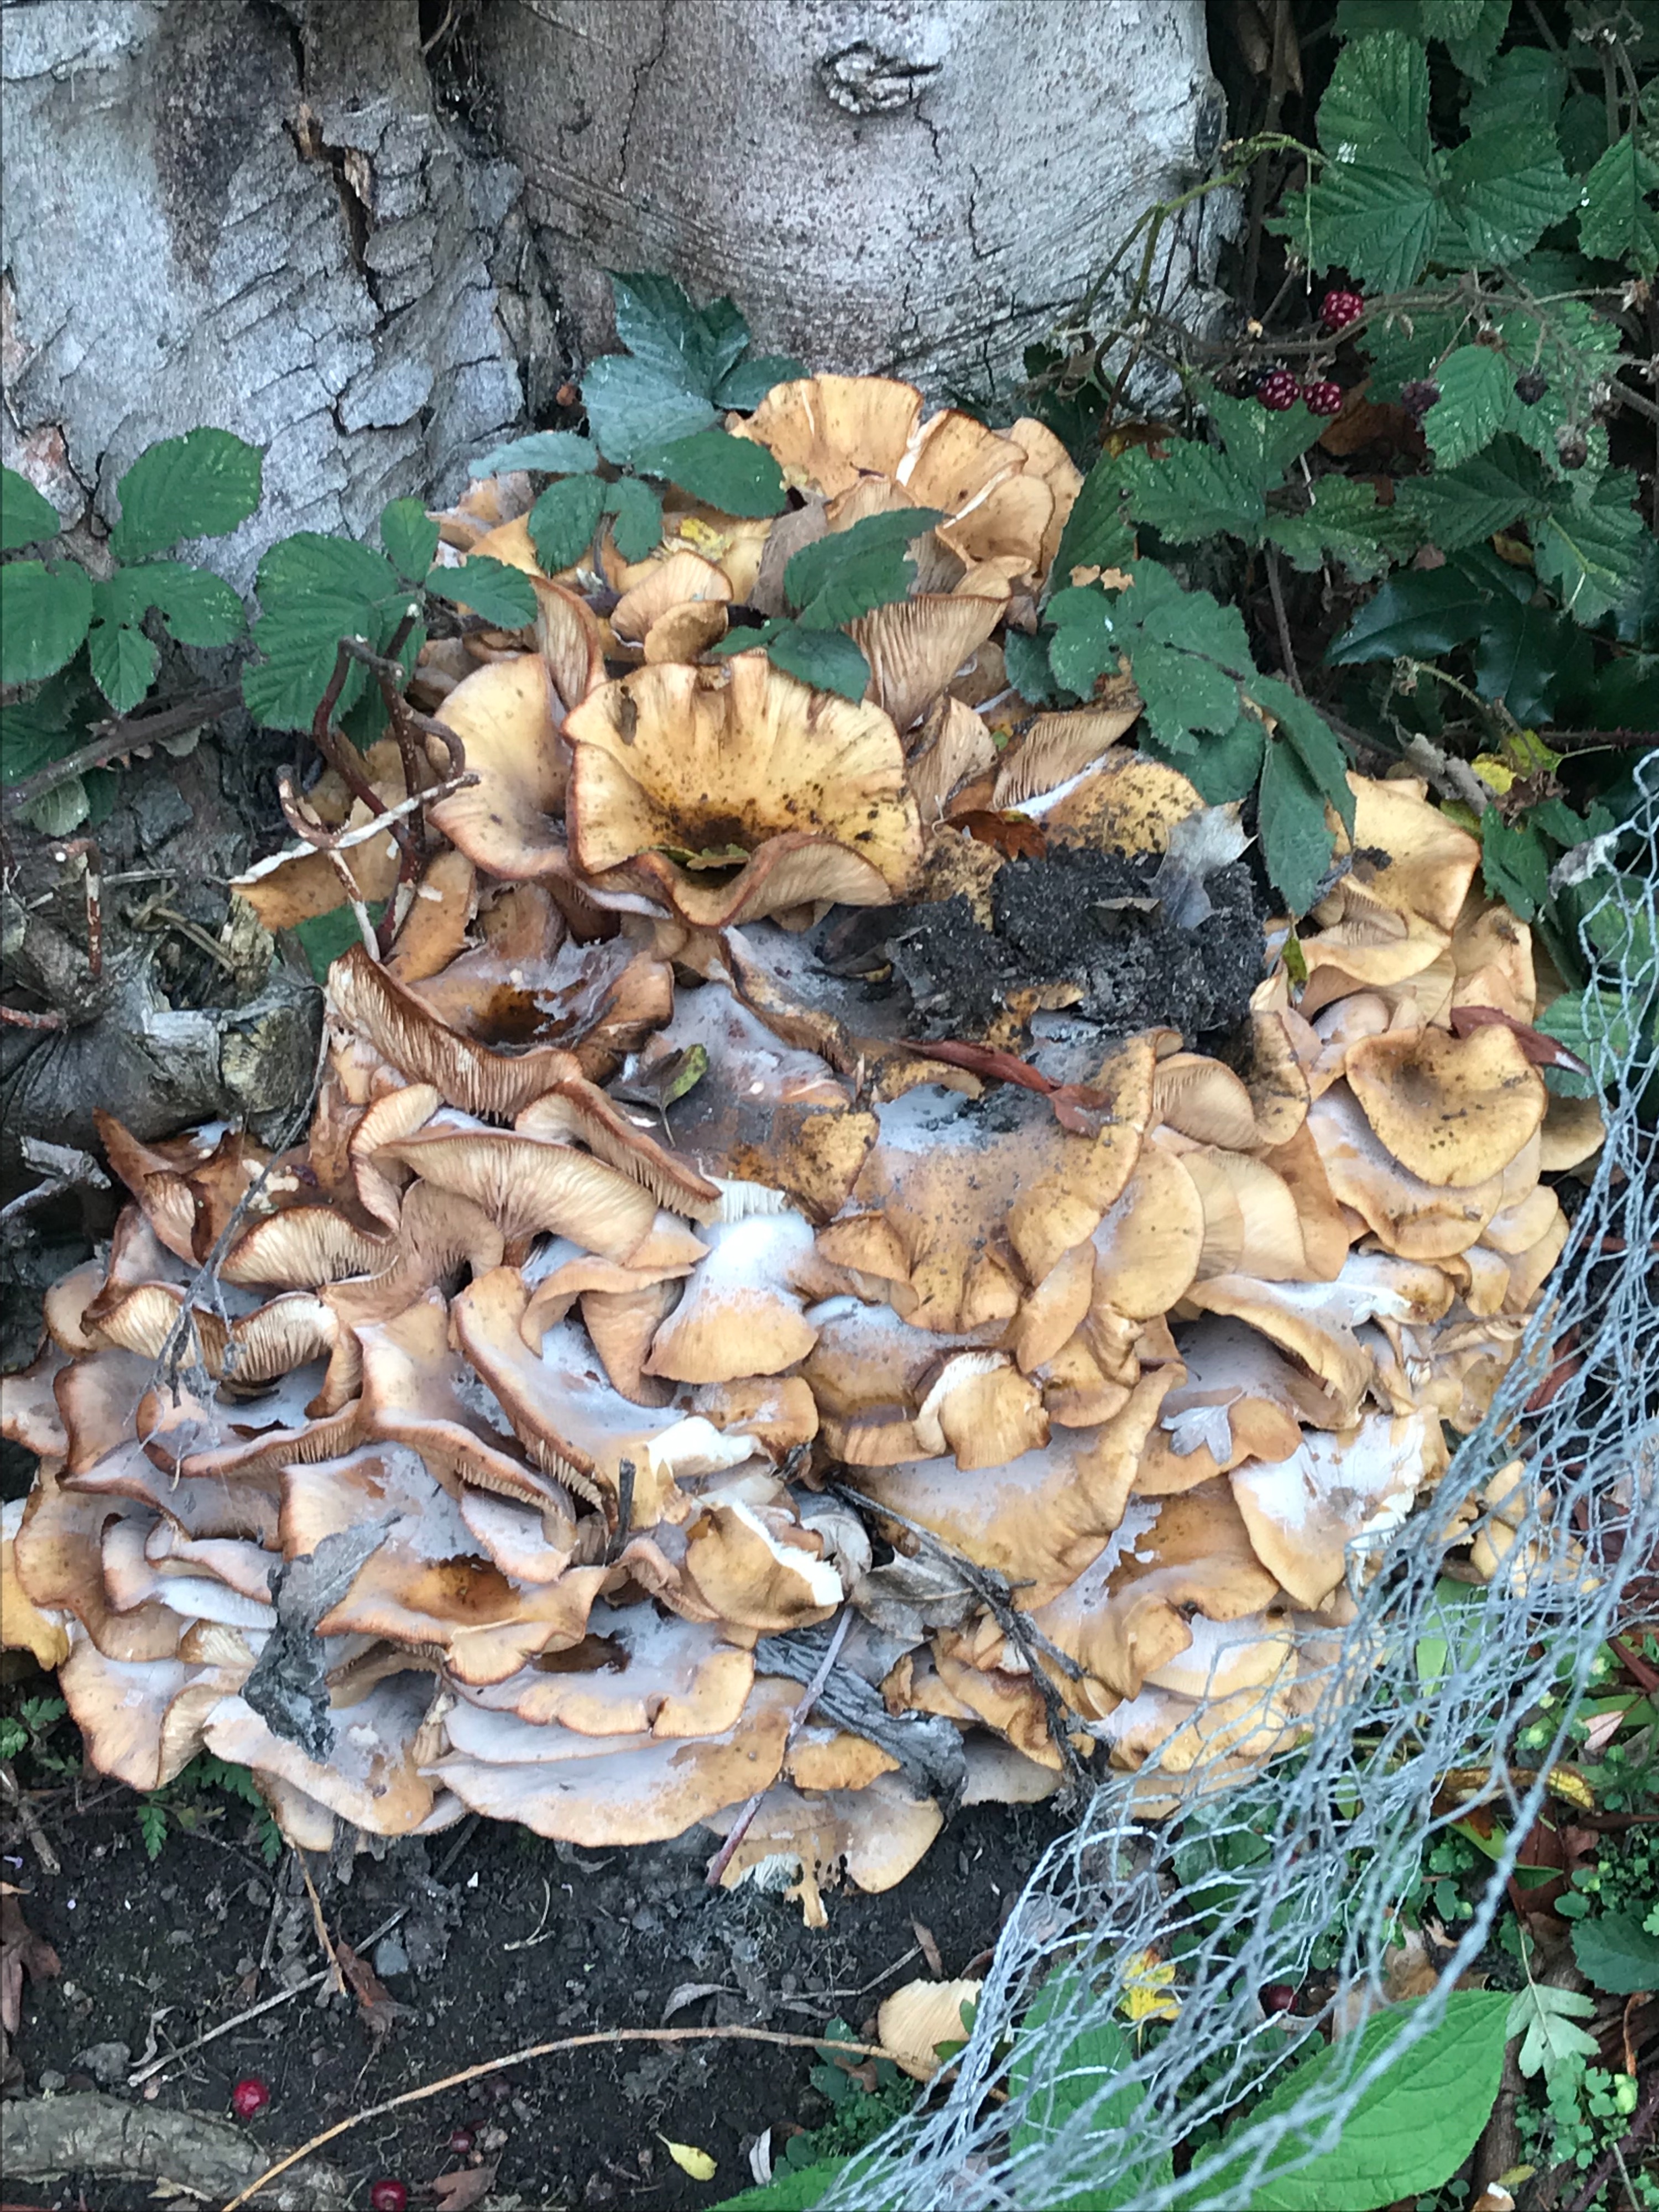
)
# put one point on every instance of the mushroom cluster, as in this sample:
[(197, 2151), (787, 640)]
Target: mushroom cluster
[(656, 1285)]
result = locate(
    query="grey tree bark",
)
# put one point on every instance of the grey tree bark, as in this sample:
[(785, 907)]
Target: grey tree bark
[(257, 214)]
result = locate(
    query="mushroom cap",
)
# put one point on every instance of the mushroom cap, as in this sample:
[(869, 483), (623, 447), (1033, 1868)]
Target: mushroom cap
[(682, 774), (748, 1570), (1306, 1510), (638, 1670), (371, 1775), (916, 646), (1431, 862), (1418, 1220), (23, 1625), (1451, 1109), (508, 716), (875, 1835), (824, 432)]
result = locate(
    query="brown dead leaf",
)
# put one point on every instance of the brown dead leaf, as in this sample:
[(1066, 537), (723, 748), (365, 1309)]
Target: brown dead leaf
[(379, 2007), (1540, 1050), (1011, 835), (22, 1953), (930, 1950), (468, 2185)]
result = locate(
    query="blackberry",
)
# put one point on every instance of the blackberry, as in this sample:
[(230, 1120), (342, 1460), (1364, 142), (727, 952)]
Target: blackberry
[(1530, 386), (1341, 308), (1419, 396), (1278, 390), (1571, 447), (1324, 397)]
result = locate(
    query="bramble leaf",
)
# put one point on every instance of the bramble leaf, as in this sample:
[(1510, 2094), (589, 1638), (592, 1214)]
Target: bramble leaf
[(743, 387), (825, 658), (26, 518), (410, 537), (1617, 1952), (1514, 863), (636, 514), (1590, 552), (46, 611), (563, 522), (737, 476), (633, 403), (1096, 535), (123, 661), (1196, 492), (1475, 389), (502, 595), (848, 572), (1619, 222), (1296, 842), (1315, 743), (201, 485), (561, 453)]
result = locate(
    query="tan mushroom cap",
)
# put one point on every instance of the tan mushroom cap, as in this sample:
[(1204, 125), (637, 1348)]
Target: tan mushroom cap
[(916, 646), (1418, 1220), (824, 1757), (759, 1571), (738, 1315), (1451, 1109), (1251, 1223), (738, 766), (527, 1186), (121, 1708), (1431, 861), (1226, 1658), (663, 590), (1046, 456), (1235, 1398), (1491, 958), (1573, 1131), (23, 1625), (598, 1791), (953, 746), (417, 1391), (371, 1777), (916, 2018), (29, 1414), (824, 432), (1124, 803), (639, 1670), (507, 715), (576, 1111), (875, 1836), (1333, 1491)]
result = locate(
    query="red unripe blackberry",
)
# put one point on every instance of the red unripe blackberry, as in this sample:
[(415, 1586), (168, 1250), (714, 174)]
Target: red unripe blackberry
[(250, 2097), (1324, 397), (1419, 396), (388, 2197), (1339, 308), (1530, 386), (1278, 390), (1279, 1996)]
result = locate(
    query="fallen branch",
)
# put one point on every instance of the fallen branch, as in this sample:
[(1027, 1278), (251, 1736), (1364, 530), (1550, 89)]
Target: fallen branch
[(128, 735), (599, 2037)]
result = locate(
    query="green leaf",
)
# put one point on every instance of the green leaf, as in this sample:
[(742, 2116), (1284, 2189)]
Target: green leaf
[(825, 658), (1522, 93), (1223, 767), (1544, 2017), (1376, 108), (1096, 535), (1194, 621), (1182, 692), (1314, 742), (1296, 844), (61, 810), (1085, 642), (39, 729), (1523, 656), (1448, 1646), (560, 453), (846, 573), (1504, 189), (1380, 224), (1260, 442), (1409, 2131), (737, 476), (1026, 659), (1195, 492), (636, 514), (632, 405), (1343, 519), (201, 485), (1617, 1952), (26, 519), (325, 936), (1514, 863), (564, 519), (1459, 507), (44, 613), (1425, 612), (153, 1828), (502, 595), (1590, 552), (745, 386), (198, 608), (313, 591), (1475, 389), (658, 324), (1600, 1027), (1057, 2078), (410, 537), (124, 663), (1472, 51), (1619, 222)]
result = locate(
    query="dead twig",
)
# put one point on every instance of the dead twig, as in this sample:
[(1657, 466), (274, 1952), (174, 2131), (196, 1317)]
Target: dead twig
[(321, 1926), (798, 1720), (605, 2036), (28, 1820), (111, 739), (1282, 622)]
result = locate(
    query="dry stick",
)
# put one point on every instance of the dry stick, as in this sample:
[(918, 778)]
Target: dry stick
[(321, 1925), (253, 2012), (116, 738), (604, 2035), (1287, 651), (797, 1719)]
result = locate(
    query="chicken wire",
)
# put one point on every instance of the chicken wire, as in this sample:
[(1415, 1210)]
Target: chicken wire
[(1325, 1845)]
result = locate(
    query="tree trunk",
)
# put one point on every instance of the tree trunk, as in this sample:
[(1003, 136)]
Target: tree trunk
[(256, 213), (920, 185)]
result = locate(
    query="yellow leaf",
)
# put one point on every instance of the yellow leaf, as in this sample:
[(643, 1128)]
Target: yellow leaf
[(703, 537), (1498, 775), (1148, 1993), (689, 2159)]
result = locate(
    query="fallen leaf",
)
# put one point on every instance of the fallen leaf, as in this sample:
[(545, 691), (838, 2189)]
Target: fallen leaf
[(930, 1950), (689, 2159), (1011, 835), (21, 1952), (379, 2007), (915, 2019), (1541, 1051), (687, 1993), (1148, 1988), (468, 2185)]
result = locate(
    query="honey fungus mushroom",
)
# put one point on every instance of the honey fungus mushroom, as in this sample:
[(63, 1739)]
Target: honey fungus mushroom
[(656, 1288)]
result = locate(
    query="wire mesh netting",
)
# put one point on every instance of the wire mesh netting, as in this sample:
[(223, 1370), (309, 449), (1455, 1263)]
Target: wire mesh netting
[(1311, 1860)]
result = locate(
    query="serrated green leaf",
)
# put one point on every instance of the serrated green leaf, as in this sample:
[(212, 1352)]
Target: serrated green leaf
[(1590, 552), (1514, 864), (1600, 1027), (636, 514), (743, 387), (1617, 1952), (1096, 535), (1376, 108), (1025, 657), (313, 591), (26, 518), (44, 613), (1194, 492), (1618, 221), (559, 452), (1085, 644), (1522, 93), (1221, 768), (1472, 51), (1407, 2133), (632, 405), (1182, 692), (1523, 656), (1054, 2078), (1450, 19), (826, 659), (1315, 743), (1582, 131), (124, 663), (502, 595), (62, 810), (1423, 612), (153, 1828), (198, 608), (1475, 384), (325, 936), (1404, 348), (1296, 843), (1260, 441), (1459, 507), (563, 522), (410, 537), (1194, 621), (201, 485), (1381, 224), (658, 324), (52, 721), (848, 572), (737, 476), (1545, 2018), (1342, 521), (1503, 190)]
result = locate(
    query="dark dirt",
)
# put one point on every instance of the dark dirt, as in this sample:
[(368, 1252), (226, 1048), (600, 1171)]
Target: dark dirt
[(519, 1942), (1062, 919)]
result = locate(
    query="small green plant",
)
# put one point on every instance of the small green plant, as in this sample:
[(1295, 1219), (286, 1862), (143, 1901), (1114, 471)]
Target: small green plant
[(186, 1803), (28, 1731)]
